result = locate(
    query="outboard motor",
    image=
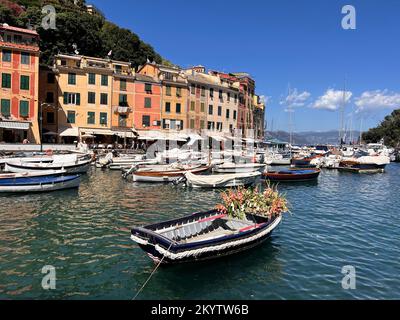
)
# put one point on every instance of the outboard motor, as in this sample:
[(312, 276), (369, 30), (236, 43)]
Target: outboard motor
[(179, 181)]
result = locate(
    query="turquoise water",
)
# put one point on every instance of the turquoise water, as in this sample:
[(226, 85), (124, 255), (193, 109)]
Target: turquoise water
[(344, 219)]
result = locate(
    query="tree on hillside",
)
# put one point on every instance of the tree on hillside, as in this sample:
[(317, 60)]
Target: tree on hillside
[(389, 130), (93, 35), (126, 46)]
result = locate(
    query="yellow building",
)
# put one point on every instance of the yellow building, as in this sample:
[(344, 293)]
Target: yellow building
[(86, 102)]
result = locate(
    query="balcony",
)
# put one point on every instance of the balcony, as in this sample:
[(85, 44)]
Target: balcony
[(121, 110)]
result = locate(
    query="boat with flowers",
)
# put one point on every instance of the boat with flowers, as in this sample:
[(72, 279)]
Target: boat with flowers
[(245, 220)]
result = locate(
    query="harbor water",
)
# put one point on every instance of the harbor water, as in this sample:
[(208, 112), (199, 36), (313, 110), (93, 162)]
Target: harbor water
[(343, 220)]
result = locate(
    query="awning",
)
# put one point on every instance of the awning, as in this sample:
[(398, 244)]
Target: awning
[(18, 125), (125, 134), (104, 132), (157, 135), (69, 132), (218, 138)]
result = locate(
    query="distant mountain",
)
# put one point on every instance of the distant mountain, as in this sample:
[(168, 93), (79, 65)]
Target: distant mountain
[(313, 137)]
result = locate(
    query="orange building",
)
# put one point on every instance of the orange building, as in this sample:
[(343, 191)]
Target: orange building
[(147, 110), (123, 99), (173, 97), (19, 91)]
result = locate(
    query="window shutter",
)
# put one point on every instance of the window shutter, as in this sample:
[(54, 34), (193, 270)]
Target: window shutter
[(65, 97), (78, 99)]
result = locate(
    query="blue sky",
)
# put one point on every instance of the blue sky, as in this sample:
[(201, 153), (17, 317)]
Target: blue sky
[(282, 43)]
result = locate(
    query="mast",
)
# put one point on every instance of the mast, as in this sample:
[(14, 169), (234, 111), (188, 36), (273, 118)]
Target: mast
[(290, 110), (342, 129)]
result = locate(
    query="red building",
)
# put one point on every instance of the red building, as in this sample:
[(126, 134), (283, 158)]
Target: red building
[(19, 73)]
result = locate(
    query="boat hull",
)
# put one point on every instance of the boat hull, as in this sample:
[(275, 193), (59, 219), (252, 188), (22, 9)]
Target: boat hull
[(238, 169), (292, 176), (58, 183), (81, 168), (235, 182), (350, 166), (163, 177)]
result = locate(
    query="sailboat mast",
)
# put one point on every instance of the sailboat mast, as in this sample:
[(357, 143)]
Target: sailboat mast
[(342, 114)]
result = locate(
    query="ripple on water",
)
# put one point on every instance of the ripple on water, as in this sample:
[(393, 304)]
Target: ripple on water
[(344, 219)]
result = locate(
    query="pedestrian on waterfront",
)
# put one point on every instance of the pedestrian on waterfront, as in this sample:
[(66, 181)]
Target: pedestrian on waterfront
[(26, 141)]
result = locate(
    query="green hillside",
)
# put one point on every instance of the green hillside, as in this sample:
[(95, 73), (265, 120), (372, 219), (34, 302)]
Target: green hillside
[(389, 130), (93, 34)]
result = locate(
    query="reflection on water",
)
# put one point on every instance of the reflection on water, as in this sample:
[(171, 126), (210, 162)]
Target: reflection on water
[(343, 219)]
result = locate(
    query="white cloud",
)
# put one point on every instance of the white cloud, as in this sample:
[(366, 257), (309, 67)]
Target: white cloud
[(332, 100), (265, 99), (295, 99), (377, 100)]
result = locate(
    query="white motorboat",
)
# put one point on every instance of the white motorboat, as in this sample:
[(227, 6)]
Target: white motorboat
[(221, 180), (239, 167)]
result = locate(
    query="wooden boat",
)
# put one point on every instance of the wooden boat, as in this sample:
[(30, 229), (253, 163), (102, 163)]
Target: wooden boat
[(239, 167), (221, 180), (202, 236), (292, 175), (37, 182), (151, 174), (71, 167)]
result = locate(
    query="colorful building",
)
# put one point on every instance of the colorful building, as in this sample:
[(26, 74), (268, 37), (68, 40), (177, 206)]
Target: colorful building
[(147, 110), (48, 96), (259, 117), (19, 91), (246, 100), (105, 99), (174, 94)]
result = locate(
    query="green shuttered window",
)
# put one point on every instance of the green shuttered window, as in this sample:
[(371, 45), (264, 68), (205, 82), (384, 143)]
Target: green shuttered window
[(24, 109)]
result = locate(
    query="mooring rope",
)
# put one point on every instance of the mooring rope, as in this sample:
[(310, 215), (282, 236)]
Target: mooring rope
[(151, 275)]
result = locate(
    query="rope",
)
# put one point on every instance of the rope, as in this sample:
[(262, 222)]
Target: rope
[(151, 275)]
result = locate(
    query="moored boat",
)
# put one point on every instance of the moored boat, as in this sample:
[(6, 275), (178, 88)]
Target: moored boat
[(203, 236), (37, 182), (221, 180), (292, 175), (164, 174), (365, 164), (71, 167), (238, 167), (304, 162)]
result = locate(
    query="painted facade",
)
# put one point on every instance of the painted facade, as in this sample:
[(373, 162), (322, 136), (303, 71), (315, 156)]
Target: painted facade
[(19, 91), (174, 94)]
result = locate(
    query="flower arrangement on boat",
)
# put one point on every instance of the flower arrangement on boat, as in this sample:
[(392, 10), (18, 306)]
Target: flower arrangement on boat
[(237, 203)]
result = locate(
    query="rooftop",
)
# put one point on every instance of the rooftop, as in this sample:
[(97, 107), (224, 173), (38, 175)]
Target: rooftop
[(5, 26)]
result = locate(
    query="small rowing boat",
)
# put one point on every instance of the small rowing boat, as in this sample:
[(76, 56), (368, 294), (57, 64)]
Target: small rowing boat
[(292, 175), (221, 180), (202, 236), (37, 182), (71, 167)]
